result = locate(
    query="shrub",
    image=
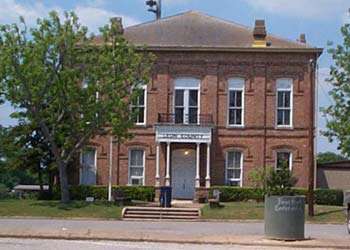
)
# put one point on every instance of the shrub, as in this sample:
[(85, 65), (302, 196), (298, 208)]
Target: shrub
[(4, 192), (331, 197), (281, 181), (80, 192)]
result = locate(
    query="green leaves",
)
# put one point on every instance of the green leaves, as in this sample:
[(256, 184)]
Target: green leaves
[(43, 70), (337, 115), (280, 181)]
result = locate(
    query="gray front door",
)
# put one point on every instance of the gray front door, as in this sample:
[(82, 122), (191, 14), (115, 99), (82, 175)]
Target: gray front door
[(183, 173)]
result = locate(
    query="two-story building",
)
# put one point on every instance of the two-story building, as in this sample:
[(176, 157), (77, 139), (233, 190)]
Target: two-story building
[(223, 99)]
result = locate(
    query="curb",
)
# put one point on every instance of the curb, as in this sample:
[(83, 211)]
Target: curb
[(237, 243)]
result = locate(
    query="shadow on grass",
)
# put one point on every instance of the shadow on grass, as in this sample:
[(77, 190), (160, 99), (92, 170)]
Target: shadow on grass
[(333, 211), (72, 204)]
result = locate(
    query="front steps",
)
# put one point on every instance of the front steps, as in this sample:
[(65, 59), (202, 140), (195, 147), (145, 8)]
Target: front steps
[(157, 213)]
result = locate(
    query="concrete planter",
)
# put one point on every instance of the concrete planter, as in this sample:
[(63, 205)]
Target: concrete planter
[(285, 217)]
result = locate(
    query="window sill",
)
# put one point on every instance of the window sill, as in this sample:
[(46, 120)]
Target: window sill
[(284, 127)]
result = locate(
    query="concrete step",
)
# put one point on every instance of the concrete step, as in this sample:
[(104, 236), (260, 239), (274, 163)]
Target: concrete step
[(156, 213)]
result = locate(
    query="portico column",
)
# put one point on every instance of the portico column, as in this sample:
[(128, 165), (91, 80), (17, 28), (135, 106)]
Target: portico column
[(157, 166), (207, 178), (167, 177), (198, 165)]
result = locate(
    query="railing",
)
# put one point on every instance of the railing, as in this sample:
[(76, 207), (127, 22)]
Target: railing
[(187, 119)]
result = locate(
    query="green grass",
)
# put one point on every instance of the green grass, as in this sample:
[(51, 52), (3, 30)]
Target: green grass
[(56, 209), (255, 211)]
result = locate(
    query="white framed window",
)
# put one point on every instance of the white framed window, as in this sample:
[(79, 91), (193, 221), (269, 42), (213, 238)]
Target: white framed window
[(284, 102), (284, 157), (136, 167), (88, 167), (186, 101), (235, 112), (234, 168), (140, 107)]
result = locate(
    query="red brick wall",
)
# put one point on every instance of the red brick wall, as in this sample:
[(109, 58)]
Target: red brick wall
[(260, 71)]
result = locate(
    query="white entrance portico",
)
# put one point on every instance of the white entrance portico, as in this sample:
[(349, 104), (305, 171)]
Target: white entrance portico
[(183, 165)]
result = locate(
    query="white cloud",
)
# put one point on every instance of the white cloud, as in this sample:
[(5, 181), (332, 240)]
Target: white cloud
[(91, 14), (312, 9), (95, 17)]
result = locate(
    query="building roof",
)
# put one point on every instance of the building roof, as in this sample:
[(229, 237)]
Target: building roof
[(196, 30), (335, 164)]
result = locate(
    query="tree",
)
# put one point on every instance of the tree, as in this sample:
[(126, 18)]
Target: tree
[(68, 86), (337, 114), (329, 157)]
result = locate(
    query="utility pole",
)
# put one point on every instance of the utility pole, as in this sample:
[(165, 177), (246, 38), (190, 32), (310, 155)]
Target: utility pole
[(155, 7)]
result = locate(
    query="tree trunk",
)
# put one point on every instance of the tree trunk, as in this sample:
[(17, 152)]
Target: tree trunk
[(40, 177), (63, 181)]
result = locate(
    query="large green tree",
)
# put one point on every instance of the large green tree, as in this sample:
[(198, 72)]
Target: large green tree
[(326, 157), (69, 85), (338, 114)]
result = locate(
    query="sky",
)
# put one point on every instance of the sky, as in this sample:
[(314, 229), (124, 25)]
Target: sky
[(320, 20)]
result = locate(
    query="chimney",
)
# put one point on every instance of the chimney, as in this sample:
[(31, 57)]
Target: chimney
[(302, 38), (259, 34), (116, 22)]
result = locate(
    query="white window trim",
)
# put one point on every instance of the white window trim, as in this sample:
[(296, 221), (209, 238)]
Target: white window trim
[(290, 158), (290, 126), (228, 103), (81, 164), (144, 88), (144, 165), (226, 164), (187, 88)]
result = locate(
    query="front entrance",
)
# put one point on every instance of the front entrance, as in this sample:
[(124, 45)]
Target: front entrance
[(183, 173)]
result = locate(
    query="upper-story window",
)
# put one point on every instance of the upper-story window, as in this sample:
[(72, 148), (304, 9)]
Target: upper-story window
[(284, 88), (236, 102), (140, 107), (283, 159), (186, 101), (234, 168)]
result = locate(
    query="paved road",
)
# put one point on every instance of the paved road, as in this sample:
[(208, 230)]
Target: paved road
[(169, 228), (30, 244)]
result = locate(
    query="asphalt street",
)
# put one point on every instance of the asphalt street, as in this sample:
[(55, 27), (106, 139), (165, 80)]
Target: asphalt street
[(31, 244)]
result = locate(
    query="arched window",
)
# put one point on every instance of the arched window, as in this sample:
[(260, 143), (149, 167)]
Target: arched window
[(284, 102), (234, 168), (88, 167), (235, 102), (186, 100)]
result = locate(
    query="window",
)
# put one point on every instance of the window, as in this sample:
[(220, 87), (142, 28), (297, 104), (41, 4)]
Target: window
[(139, 107), (236, 102), (136, 167), (88, 167), (186, 101), (283, 158), (284, 102), (234, 168)]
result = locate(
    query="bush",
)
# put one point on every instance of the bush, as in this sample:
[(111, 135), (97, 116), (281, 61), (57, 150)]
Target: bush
[(331, 197), (80, 192), (4, 192), (238, 194)]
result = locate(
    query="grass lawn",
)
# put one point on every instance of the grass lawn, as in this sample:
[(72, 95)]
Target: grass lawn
[(56, 209), (255, 211)]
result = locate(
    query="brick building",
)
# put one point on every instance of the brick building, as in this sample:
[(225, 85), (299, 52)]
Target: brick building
[(223, 99)]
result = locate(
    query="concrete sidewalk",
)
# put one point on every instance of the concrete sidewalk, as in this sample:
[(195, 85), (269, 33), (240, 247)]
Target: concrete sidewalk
[(250, 234)]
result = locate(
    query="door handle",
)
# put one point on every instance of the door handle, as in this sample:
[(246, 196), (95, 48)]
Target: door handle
[(183, 185)]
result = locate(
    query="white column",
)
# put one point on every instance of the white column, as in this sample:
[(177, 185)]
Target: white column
[(198, 165), (110, 168), (157, 166), (167, 177), (207, 178)]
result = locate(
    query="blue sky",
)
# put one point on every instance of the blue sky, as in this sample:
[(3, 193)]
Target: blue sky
[(319, 19)]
